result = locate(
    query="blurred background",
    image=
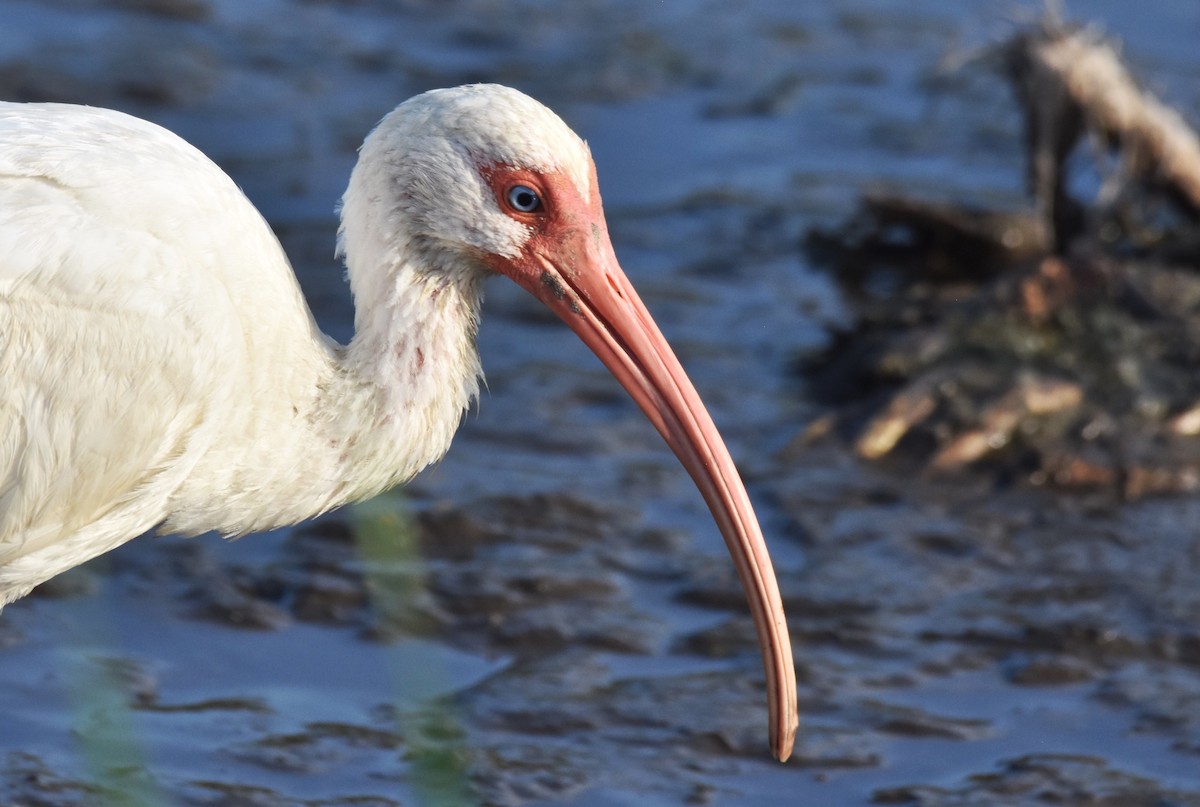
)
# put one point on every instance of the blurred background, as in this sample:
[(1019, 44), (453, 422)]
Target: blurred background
[(548, 617)]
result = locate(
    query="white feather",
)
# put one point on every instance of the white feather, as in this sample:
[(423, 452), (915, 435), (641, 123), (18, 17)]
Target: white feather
[(159, 363)]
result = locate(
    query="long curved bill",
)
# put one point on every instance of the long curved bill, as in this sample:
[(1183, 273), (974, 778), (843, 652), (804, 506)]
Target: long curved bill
[(593, 296)]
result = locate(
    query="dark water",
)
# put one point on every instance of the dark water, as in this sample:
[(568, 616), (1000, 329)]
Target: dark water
[(548, 616)]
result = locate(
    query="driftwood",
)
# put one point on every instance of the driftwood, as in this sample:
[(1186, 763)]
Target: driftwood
[(1071, 81), (1057, 343)]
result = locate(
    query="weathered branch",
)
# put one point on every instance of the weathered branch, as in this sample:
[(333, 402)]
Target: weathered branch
[(1072, 80)]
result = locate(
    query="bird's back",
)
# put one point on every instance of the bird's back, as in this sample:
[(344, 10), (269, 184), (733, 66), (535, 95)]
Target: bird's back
[(134, 278)]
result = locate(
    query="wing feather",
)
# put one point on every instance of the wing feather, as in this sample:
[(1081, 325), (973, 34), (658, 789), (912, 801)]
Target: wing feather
[(115, 332)]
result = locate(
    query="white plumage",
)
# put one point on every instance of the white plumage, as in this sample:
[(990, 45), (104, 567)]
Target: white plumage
[(160, 367)]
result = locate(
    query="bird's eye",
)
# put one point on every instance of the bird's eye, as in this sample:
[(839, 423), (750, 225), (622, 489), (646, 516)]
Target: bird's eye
[(524, 199)]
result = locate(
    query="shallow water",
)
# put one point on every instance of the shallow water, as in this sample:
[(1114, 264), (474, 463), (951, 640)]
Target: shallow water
[(550, 617)]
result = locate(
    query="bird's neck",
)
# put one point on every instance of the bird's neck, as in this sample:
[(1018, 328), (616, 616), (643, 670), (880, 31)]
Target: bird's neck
[(405, 380), (334, 424)]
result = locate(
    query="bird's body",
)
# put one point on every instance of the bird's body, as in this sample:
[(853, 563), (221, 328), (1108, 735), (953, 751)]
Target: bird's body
[(175, 375), (160, 367)]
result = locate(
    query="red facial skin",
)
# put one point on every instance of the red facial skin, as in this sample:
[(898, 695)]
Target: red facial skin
[(568, 263)]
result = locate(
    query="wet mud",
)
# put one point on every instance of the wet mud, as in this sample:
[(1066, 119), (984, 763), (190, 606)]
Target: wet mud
[(549, 617)]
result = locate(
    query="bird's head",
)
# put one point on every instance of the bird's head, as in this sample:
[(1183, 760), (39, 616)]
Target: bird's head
[(481, 179), (466, 178)]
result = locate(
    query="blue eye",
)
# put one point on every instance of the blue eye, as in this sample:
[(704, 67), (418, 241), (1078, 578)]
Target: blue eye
[(524, 199)]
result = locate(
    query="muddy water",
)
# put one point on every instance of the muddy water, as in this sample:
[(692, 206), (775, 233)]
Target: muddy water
[(548, 617)]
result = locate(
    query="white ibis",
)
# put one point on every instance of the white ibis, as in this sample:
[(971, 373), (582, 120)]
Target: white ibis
[(161, 368)]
